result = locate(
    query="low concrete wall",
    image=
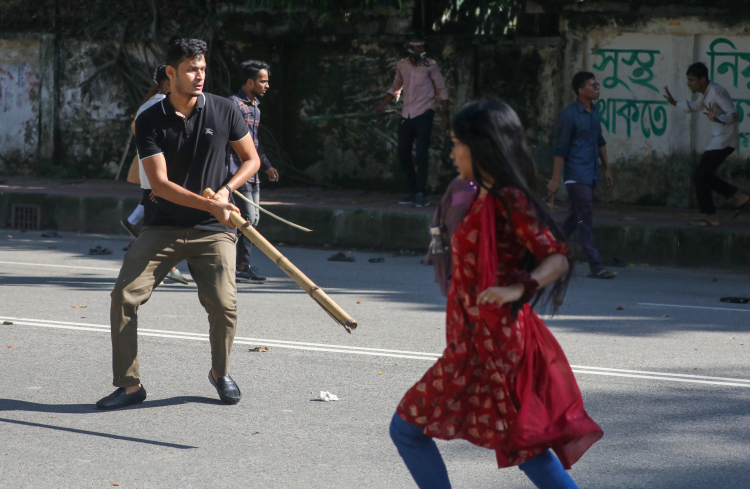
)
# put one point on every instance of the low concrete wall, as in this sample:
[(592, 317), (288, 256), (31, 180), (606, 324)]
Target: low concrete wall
[(671, 246)]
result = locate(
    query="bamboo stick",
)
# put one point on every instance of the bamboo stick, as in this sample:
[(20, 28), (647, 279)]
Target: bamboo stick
[(333, 309)]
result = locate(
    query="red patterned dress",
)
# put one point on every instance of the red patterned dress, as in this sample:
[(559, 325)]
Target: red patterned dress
[(471, 392)]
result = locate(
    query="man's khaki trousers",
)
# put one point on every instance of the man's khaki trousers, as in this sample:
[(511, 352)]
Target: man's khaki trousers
[(210, 256)]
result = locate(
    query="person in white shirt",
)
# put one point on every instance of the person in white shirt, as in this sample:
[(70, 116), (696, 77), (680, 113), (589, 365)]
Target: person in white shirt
[(718, 106), (148, 202)]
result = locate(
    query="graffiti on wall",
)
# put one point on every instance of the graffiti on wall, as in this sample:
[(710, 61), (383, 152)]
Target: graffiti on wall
[(722, 62), (628, 69), (631, 103), (641, 74)]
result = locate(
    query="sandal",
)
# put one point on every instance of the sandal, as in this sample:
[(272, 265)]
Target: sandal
[(705, 223), (100, 251), (341, 256), (602, 274), (735, 300)]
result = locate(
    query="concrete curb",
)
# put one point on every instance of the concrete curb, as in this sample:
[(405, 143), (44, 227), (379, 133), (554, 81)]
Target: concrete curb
[(359, 228)]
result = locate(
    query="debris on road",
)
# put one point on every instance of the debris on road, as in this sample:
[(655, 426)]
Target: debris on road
[(559, 302), (341, 256), (259, 348), (78, 307), (51, 234), (620, 308), (99, 251), (376, 260), (7, 322), (327, 396), (735, 300)]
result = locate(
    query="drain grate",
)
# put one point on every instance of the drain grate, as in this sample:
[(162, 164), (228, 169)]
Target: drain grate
[(25, 216)]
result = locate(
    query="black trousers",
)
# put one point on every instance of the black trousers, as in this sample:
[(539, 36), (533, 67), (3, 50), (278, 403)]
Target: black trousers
[(417, 129), (706, 181)]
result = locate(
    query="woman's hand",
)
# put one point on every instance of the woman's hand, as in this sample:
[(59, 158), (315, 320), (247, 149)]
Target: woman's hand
[(501, 295)]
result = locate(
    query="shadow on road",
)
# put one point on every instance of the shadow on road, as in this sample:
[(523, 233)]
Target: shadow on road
[(36, 407), (96, 433)]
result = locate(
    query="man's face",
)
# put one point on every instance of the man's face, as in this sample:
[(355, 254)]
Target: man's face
[(189, 78), (260, 85), (590, 89), (696, 84), (418, 47)]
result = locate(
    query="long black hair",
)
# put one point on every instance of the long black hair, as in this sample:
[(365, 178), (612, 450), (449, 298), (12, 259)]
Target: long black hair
[(495, 137)]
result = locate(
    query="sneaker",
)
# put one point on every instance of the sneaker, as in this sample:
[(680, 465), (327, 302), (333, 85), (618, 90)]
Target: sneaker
[(132, 230), (408, 200), (421, 201), (176, 276), (249, 276)]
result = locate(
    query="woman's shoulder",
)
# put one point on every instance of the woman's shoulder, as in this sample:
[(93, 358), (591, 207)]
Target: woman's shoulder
[(510, 196)]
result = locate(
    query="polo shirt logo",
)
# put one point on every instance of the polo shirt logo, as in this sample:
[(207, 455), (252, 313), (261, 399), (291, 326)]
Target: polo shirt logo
[(209, 131)]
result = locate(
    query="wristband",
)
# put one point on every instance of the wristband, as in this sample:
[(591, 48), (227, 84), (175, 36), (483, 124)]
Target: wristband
[(228, 188), (530, 286)]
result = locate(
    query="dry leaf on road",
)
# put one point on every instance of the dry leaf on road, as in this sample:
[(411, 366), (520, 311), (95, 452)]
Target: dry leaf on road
[(78, 307), (259, 348)]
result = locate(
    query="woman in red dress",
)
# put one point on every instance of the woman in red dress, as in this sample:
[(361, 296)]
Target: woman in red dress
[(503, 381)]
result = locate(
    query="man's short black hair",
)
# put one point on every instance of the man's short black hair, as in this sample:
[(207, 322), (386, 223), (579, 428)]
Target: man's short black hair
[(250, 69), (160, 75), (184, 48), (580, 79), (698, 70)]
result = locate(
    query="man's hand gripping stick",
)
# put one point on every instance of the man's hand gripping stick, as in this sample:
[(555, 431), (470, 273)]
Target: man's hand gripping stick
[(333, 309)]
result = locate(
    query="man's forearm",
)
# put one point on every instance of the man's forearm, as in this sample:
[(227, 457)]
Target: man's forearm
[(603, 157), (244, 172), (178, 195), (387, 100), (557, 168)]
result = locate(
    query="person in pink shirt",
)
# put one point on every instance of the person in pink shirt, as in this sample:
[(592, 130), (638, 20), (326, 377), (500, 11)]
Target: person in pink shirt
[(418, 78)]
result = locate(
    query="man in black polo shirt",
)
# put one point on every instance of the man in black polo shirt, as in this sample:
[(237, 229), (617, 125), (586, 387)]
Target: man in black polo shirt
[(182, 145)]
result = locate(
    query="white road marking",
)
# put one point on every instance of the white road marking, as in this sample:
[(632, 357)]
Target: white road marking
[(298, 345), (599, 318), (57, 266), (694, 307)]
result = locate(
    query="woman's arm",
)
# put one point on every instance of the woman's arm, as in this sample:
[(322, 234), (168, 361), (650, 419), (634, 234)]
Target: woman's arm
[(549, 270)]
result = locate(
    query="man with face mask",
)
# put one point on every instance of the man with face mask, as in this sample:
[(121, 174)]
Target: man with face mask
[(720, 110), (419, 78), (182, 143)]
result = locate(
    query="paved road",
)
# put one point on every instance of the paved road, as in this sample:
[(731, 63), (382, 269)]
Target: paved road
[(669, 383)]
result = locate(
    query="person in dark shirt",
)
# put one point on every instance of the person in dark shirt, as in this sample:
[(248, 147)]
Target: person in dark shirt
[(580, 146), (182, 145), (256, 75)]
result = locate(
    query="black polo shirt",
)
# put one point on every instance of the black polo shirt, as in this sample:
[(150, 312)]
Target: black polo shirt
[(195, 151)]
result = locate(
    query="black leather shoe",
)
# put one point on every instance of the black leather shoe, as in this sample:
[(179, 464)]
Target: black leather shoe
[(118, 399), (226, 388)]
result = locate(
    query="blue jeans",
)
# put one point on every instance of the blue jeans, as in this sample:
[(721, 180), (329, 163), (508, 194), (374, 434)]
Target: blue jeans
[(581, 218), (422, 458), (252, 215)]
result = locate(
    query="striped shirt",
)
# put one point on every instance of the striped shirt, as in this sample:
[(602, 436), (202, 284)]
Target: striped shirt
[(251, 113)]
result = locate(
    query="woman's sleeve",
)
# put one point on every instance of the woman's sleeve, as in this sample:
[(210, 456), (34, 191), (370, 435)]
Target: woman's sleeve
[(528, 231)]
